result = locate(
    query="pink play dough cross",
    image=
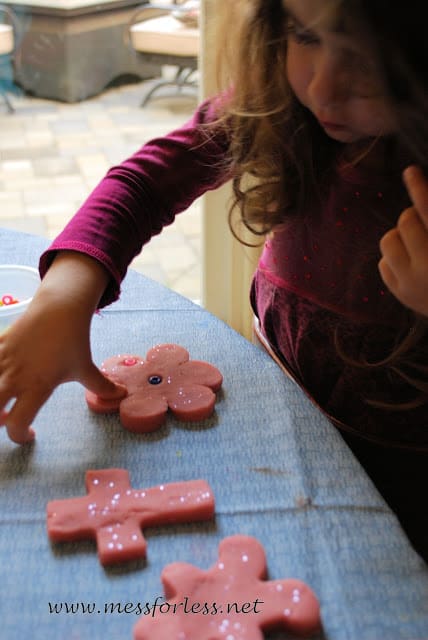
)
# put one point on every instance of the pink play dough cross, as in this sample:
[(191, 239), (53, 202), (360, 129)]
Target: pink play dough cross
[(113, 513), (229, 601), (166, 379)]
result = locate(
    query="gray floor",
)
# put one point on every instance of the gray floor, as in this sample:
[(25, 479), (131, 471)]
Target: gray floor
[(52, 154)]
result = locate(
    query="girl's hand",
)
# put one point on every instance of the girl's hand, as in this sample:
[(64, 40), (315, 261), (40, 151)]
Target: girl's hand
[(404, 263), (49, 344)]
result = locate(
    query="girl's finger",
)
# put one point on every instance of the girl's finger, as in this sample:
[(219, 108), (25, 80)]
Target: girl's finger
[(394, 251), (95, 381), (413, 234), (417, 187), (5, 397), (22, 414), (387, 275)]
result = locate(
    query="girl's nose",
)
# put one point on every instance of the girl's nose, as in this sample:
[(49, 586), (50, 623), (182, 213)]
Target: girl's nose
[(329, 85)]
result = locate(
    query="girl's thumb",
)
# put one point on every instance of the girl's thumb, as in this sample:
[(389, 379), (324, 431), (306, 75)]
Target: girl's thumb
[(102, 386)]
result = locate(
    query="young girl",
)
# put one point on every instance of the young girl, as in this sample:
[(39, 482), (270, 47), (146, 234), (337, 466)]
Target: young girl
[(311, 138)]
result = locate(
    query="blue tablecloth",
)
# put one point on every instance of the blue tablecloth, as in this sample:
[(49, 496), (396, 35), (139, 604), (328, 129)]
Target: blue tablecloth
[(279, 471)]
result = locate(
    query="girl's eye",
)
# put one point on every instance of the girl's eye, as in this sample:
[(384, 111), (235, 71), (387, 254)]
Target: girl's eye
[(301, 35)]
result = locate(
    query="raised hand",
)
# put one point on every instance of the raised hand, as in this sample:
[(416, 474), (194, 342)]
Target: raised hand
[(404, 262)]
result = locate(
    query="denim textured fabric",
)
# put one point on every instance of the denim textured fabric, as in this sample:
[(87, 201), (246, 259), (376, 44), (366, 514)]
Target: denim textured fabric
[(278, 468)]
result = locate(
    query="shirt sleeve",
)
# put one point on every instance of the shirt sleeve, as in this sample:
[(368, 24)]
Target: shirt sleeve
[(137, 198)]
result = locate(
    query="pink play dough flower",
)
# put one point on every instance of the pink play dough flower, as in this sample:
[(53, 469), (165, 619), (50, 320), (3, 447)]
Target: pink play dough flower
[(165, 379)]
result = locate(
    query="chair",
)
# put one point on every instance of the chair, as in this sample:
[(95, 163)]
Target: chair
[(168, 35), (8, 29)]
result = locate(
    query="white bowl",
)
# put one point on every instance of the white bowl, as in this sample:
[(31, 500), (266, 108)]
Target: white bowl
[(21, 283)]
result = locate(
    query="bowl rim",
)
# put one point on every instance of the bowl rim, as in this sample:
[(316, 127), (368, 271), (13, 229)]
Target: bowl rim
[(18, 306)]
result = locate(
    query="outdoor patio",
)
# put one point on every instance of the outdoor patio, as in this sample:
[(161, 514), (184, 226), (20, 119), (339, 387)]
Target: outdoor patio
[(52, 154)]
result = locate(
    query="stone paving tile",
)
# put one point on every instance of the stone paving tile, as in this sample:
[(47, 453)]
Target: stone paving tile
[(40, 137), (26, 152), (52, 165), (92, 165), (72, 180), (53, 154), (12, 203), (23, 183), (69, 126), (11, 140)]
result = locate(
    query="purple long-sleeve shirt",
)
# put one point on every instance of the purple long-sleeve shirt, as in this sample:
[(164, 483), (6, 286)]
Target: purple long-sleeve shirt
[(142, 195), (317, 290)]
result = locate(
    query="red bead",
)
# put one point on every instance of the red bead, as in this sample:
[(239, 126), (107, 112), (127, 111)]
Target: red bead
[(129, 362)]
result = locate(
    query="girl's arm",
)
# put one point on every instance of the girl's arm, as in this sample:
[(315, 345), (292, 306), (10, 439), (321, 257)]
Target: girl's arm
[(83, 268), (143, 194), (49, 344), (404, 263)]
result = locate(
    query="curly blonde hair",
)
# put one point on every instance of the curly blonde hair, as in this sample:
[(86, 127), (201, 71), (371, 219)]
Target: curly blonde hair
[(271, 134)]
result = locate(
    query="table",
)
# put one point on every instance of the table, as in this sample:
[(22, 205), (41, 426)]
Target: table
[(70, 50), (279, 471)]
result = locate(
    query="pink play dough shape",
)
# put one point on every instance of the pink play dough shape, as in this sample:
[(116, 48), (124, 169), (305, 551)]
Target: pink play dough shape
[(234, 582), (165, 379), (113, 513)]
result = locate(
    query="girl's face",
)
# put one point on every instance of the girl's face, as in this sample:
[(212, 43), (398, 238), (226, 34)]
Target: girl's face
[(332, 78)]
